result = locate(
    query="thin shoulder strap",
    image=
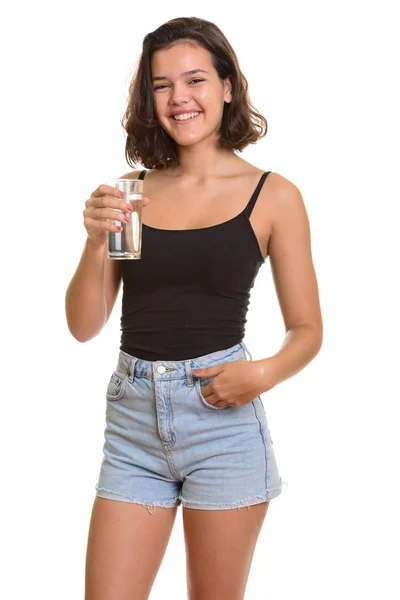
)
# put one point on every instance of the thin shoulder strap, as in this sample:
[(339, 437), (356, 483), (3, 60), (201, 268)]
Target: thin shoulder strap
[(249, 208), (142, 174)]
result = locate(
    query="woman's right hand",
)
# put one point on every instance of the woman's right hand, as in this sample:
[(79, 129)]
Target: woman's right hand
[(105, 203)]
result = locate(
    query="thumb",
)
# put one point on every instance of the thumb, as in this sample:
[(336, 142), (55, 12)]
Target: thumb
[(209, 372)]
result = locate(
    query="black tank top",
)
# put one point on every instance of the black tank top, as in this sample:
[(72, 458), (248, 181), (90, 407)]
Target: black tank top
[(189, 292)]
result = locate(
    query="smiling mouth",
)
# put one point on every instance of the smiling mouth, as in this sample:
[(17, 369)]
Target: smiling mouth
[(185, 118)]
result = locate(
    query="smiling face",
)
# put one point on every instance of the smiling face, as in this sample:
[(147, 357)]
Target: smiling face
[(186, 83)]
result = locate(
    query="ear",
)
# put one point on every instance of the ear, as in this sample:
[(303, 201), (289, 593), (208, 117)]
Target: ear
[(228, 89)]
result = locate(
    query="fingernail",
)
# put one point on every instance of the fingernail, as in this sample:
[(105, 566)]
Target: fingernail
[(121, 194)]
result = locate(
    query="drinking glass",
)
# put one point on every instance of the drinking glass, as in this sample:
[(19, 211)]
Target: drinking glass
[(127, 244)]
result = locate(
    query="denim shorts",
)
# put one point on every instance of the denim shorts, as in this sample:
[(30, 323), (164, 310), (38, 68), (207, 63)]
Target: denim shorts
[(165, 445)]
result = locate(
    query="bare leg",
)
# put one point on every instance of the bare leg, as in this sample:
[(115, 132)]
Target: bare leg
[(219, 549), (126, 544)]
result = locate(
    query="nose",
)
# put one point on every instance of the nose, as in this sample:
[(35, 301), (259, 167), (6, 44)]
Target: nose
[(179, 94)]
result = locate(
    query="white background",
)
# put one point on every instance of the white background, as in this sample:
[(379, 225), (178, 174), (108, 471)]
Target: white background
[(324, 75)]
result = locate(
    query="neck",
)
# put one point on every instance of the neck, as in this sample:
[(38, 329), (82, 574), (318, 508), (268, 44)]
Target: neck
[(202, 162)]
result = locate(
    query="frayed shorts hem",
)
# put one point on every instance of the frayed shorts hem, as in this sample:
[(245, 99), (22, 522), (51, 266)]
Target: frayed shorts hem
[(110, 495), (266, 496)]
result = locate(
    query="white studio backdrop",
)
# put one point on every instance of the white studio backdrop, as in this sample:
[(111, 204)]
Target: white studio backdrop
[(324, 76)]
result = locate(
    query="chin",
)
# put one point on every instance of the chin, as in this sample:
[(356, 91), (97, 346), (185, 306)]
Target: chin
[(183, 140), (185, 143)]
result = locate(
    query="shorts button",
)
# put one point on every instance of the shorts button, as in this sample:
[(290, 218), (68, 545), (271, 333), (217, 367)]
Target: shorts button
[(161, 369)]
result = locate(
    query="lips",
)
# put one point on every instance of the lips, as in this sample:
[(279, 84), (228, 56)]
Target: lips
[(188, 111), (188, 119)]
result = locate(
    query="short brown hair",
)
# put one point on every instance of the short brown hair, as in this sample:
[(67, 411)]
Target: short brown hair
[(147, 142)]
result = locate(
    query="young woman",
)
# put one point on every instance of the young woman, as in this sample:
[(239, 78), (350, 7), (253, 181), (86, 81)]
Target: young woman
[(185, 423)]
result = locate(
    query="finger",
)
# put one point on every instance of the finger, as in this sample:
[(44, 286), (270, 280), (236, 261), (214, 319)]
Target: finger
[(107, 201), (108, 213), (108, 190), (220, 404), (213, 400), (209, 372), (97, 225)]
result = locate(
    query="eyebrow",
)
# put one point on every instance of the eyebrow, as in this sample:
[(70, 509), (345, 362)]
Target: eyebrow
[(192, 72)]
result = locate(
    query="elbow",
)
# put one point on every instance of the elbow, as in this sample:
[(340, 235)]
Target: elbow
[(83, 327), (313, 333), (318, 345), (80, 334), (80, 338), (319, 334), (318, 337)]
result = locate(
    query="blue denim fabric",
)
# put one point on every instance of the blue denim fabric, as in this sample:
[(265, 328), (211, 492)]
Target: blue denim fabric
[(165, 445)]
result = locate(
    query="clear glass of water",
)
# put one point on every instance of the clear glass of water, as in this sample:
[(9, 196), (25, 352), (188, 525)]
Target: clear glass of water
[(127, 244)]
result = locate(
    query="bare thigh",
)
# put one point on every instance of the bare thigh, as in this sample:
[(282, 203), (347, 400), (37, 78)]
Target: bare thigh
[(126, 544), (219, 549)]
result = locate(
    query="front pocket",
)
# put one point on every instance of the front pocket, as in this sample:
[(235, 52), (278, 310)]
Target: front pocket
[(116, 386), (199, 384)]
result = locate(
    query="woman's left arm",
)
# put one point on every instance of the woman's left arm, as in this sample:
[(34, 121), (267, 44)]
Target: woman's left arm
[(295, 283), (239, 382)]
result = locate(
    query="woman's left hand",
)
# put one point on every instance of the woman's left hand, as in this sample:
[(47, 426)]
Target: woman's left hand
[(236, 383)]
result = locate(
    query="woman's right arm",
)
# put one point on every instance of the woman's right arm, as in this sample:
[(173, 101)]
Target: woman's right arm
[(94, 287), (92, 292)]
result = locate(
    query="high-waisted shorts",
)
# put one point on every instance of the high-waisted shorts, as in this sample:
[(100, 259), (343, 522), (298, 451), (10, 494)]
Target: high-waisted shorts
[(165, 445)]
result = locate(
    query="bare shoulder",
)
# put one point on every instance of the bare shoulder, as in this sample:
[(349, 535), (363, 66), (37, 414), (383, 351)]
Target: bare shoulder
[(283, 198), (281, 189), (276, 188)]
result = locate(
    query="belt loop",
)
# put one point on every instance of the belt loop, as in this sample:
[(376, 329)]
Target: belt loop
[(246, 350), (189, 375), (131, 370)]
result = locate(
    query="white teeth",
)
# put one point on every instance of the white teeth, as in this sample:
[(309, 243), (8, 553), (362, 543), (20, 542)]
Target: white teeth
[(185, 116)]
